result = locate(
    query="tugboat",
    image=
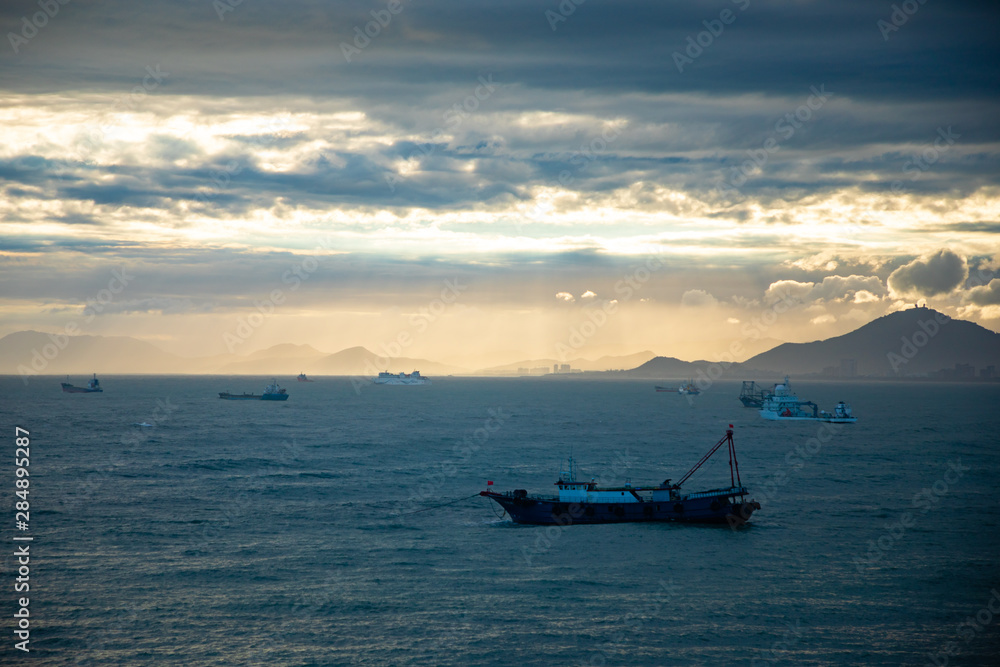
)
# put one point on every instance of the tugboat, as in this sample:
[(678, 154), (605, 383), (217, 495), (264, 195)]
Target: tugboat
[(752, 396), (272, 392), (783, 405), (302, 378), (585, 502), (93, 387), (402, 378)]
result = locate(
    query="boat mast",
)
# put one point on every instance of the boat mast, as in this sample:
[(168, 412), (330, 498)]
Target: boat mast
[(732, 457)]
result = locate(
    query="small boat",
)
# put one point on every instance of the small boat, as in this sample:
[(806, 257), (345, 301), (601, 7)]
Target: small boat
[(302, 378), (752, 396), (689, 389), (272, 392), (784, 405), (586, 502), (93, 386), (402, 378)]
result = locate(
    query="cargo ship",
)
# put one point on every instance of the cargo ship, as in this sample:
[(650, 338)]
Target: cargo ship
[(93, 387), (586, 502), (272, 392)]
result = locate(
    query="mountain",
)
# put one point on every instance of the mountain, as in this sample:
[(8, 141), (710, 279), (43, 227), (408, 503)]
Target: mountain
[(360, 361), (605, 363), (58, 354), (666, 367), (916, 341), (278, 360)]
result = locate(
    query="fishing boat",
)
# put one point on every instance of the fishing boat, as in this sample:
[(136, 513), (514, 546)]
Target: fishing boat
[(585, 502), (302, 378), (272, 392), (402, 378), (784, 405), (93, 387), (752, 395)]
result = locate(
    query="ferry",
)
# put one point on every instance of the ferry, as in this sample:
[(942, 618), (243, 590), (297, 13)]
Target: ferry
[(783, 405), (586, 503), (402, 378), (272, 392), (93, 387)]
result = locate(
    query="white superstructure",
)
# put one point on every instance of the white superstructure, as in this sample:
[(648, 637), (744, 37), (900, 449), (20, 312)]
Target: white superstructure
[(401, 378)]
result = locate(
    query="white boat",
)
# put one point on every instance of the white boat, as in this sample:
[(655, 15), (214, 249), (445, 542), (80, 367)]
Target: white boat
[(401, 378), (784, 405)]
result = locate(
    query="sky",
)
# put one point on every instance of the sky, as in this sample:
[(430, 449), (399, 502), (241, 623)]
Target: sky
[(482, 182)]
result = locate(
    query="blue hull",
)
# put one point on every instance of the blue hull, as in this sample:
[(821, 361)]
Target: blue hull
[(718, 509), (253, 397)]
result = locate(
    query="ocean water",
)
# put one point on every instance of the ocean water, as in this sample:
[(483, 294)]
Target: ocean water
[(341, 527)]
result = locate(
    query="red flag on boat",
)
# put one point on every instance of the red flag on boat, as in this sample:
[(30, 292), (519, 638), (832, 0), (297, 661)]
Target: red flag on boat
[(489, 483)]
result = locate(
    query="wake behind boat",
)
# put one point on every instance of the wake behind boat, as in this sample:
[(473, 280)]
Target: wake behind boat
[(586, 502), (93, 387), (272, 392), (783, 405)]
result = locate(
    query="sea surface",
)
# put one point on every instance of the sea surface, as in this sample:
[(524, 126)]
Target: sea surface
[(342, 527)]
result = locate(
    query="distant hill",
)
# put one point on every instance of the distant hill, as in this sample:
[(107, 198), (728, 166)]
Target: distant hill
[(52, 354), (666, 367), (360, 361), (916, 341), (279, 359), (605, 363)]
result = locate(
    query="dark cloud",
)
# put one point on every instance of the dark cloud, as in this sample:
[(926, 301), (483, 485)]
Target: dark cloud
[(939, 273), (985, 295)]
